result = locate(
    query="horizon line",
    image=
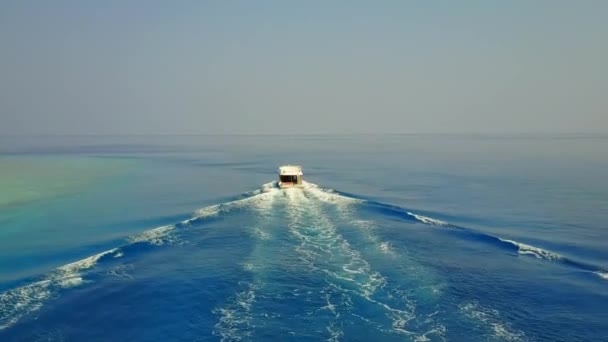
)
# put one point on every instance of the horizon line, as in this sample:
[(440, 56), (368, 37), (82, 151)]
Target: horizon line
[(299, 134)]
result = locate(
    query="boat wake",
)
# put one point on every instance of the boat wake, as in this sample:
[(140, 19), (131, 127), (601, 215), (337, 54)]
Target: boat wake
[(507, 244), (21, 301), (539, 253), (236, 317), (348, 283), (491, 318), (352, 281), (18, 302), (301, 260)]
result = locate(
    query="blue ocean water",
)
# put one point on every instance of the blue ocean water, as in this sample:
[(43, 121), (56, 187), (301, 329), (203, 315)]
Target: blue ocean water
[(393, 238)]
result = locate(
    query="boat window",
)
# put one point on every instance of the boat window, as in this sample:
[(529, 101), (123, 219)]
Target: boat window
[(289, 179)]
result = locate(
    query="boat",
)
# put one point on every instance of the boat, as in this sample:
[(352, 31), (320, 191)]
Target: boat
[(290, 176)]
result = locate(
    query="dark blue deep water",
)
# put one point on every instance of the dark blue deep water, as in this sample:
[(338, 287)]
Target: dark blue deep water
[(392, 238)]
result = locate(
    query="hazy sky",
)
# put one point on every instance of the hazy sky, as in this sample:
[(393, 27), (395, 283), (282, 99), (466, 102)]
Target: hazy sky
[(165, 67)]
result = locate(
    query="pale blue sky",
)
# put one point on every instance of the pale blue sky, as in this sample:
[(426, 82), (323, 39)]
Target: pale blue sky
[(263, 67)]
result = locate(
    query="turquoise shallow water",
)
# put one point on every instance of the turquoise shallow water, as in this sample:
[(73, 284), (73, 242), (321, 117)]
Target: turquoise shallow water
[(393, 238)]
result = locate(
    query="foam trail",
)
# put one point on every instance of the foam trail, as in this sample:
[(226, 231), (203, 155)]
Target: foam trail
[(343, 200), (210, 211), (329, 195), (320, 241), (344, 204), (384, 247), (335, 332), (164, 235), (521, 248), (251, 198), (428, 220), (18, 302), (491, 318), (324, 239), (312, 249), (157, 236), (539, 253), (602, 274), (334, 196), (402, 319), (236, 317), (69, 275)]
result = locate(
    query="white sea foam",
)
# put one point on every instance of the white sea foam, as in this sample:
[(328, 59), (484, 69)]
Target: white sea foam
[(602, 274), (266, 187), (157, 236), (428, 220), (21, 301), (269, 187), (164, 235), (330, 306), (122, 271), (70, 282), (320, 236), (343, 203), (18, 302), (400, 318), (385, 247), (437, 331), (263, 207), (75, 267), (235, 318), (363, 224), (320, 241), (209, 211), (491, 318), (263, 202), (248, 267), (540, 253), (368, 227), (328, 195), (260, 234), (335, 333), (334, 329), (256, 199)]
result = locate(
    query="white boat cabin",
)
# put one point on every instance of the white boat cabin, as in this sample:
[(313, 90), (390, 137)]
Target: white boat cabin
[(290, 176)]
